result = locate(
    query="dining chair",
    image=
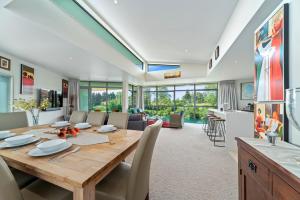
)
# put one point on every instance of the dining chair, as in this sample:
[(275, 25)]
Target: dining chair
[(77, 117), (118, 119), (131, 182), (12, 120), (96, 118), (38, 190)]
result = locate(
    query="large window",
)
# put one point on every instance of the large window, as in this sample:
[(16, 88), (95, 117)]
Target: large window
[(100, 96), (132, 96), (194, 100)]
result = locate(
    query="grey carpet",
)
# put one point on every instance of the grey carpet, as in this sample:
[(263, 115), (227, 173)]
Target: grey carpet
[(186, 166)]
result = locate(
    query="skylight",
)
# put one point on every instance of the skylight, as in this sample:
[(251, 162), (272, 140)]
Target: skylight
[(161, 67)]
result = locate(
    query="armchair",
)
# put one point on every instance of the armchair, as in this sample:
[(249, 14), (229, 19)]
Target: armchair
[(176, 120)]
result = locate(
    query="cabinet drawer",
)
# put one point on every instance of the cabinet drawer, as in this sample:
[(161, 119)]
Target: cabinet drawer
[(283, 191), (254, 168)]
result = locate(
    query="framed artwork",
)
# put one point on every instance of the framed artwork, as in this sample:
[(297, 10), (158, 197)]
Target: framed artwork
[(65, 88), (217, 52), (176, 74), (247, 90), (210, 64), (4, 63), (270, 117), (27, 80), (271, 57)]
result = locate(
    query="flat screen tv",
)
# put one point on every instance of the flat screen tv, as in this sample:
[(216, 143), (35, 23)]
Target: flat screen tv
[(54, 97)]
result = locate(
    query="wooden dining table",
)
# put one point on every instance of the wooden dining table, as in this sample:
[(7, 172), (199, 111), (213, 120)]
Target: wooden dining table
[(78, 172)]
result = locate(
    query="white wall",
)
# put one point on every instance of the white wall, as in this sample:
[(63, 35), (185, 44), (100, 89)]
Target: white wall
[(43, 78), (243, 13), (242, 103), (294, 58)]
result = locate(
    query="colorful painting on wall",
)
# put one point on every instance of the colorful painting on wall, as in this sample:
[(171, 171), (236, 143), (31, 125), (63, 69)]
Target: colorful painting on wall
[(65, 88), (270, 60), (247, 90), (27, 80), (269, 118)]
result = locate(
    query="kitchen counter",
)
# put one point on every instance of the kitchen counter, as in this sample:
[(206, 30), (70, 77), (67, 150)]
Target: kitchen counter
[(284, 154), (238, 124)]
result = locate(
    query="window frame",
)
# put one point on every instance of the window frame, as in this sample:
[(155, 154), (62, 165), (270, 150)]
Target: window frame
[(174, 90), (106, 86)]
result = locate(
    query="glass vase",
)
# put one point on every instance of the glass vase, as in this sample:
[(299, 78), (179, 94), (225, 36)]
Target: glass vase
[(293, 106)]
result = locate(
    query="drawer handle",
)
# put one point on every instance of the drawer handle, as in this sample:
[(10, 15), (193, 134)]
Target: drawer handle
[(252, 166)]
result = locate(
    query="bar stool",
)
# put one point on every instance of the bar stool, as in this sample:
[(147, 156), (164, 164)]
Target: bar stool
[(219, 131), (211, 126), (205, 125)]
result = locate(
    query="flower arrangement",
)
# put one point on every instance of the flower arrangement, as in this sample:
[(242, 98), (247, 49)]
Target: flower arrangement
[(31, 106)]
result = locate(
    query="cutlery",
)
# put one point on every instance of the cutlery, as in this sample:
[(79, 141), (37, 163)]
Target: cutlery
[(65, 154)]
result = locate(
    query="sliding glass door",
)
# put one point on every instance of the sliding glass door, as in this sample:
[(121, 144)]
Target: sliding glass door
[(193, 99), (4, 93)]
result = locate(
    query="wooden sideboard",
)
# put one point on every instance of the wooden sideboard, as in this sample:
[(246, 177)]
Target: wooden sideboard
[(261, 178)]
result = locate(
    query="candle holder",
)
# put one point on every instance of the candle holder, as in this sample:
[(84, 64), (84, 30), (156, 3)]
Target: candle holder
[(293, 106)]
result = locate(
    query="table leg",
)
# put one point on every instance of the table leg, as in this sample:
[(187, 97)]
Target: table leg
[(85, 193)]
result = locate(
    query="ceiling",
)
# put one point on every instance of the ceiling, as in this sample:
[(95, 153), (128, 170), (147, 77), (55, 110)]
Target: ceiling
[(168, 31), (34, 44), (40, 33)]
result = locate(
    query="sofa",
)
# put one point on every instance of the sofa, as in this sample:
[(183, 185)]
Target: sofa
[(136, 122)]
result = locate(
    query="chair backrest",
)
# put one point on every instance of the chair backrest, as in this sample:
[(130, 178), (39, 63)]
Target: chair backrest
[(138, 182), (13, 120), (77, 117), (8, 186), (96, 118), (118, 119)]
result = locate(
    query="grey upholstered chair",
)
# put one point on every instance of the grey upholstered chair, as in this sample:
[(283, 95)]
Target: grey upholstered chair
[(38, 190), (96, 118), (13, 120), (118, 119), (77, 117), (127, 182)]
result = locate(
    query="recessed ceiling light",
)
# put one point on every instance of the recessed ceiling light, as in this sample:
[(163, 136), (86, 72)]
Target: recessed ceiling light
[(70, 58), (186, 50), (235, 62), (116, 2)]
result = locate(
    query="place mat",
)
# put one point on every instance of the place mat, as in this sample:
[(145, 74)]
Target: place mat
[(43, 133), (83, 138), (88, 138)]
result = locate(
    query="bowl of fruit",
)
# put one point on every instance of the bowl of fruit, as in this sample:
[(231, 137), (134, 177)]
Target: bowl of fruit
[(68, 132)]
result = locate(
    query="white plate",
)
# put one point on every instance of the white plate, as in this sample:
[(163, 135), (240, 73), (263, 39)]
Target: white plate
[(83, 126), (60, 125), (100, 130), (61, 122), (52, 145), (36, 152), (108, 126), (8, 145), (19, 139), (7, 136), (4, 133)]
